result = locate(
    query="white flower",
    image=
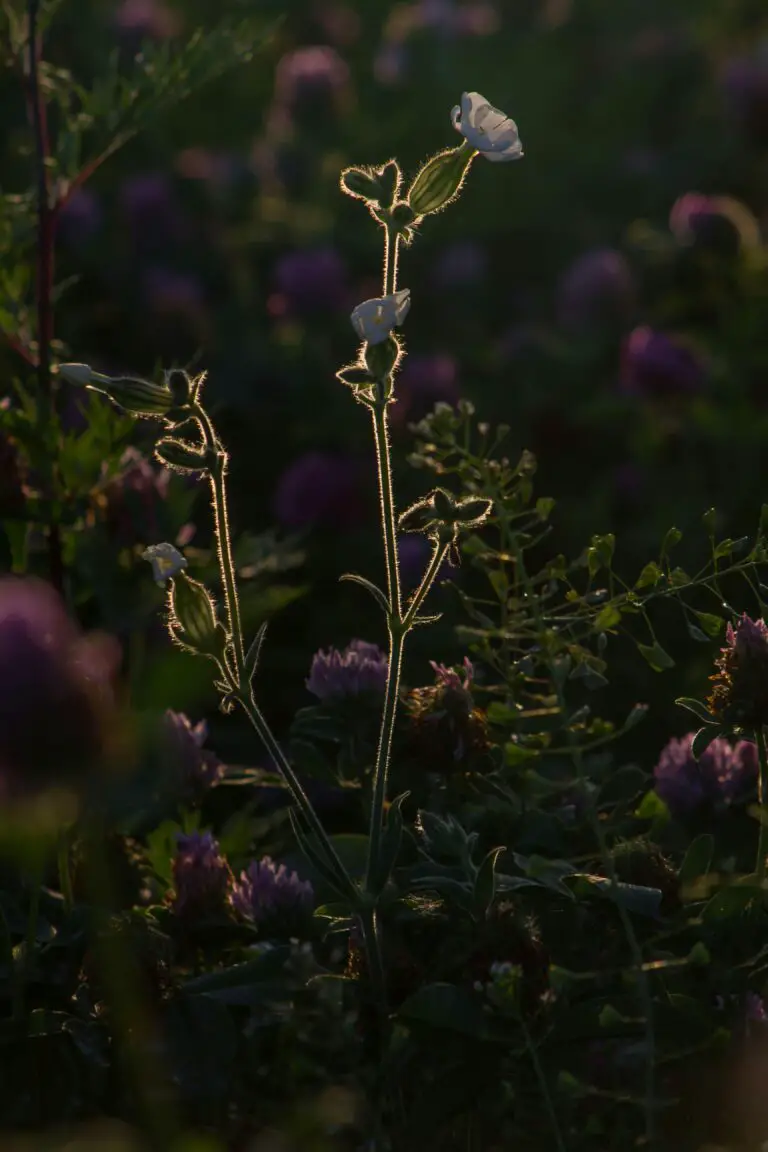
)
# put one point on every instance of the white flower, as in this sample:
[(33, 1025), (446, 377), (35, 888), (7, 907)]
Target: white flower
[(165, 561), (373, 320), (492, 133)]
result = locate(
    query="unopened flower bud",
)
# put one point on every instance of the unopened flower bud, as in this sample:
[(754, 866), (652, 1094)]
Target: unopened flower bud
[(440, 180), (381, 358), (180, 386), (194, 612)]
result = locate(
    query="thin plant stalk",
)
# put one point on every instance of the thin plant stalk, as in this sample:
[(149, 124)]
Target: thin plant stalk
[(46, 227), (543, 1087), (762, 795)]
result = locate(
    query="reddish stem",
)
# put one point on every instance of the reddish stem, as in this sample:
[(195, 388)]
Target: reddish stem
[(46, 226)]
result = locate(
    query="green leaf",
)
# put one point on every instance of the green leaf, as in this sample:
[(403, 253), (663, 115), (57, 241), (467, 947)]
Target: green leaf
[(544, 506), (696, 633), (703, 739), (634, 897), (673, 537), (391, 840), (711, 624), (708, 520), (316, 855), (652, 807), (608, 617), (650, 575), (732, 901), (444, 1006), (655, 655), (369, 586), (254, 652), (241, 983), (699, 710), (485, 881), (697, 860)]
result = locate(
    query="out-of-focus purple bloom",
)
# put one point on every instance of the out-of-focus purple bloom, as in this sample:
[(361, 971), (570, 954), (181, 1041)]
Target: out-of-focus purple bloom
[(413, 554), (56, 690), (218, 169), (423, 382), (723, 773), (450, 18), (598, 288), (149, 206), (390, 63), (745, 80), (654, 365), (169, 291), (311, 280), (463, 264), (755, 1008), (196, 767), (132, 498), (361, 669), (311, 80), (80, 218), (272, 896), (320, 488), (717, 223), (150, 18), (202, 878)]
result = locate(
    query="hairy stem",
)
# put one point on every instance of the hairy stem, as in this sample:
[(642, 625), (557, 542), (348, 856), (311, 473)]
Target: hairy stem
[(46, 223), (300, 798), (421, 593), (391, 256), (762, 794), (221, 527)]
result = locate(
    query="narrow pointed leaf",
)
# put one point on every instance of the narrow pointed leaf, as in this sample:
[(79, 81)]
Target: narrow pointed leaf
[(390, 844), (697, 707), (252, 656), (318, 859), (376, 592), (485, 881)]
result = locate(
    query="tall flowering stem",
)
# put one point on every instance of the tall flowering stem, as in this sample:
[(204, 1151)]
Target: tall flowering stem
[(238, 677), (762, 794)]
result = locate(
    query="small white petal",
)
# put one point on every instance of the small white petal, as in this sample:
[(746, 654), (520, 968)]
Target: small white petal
[(76, 373), (166, 561)]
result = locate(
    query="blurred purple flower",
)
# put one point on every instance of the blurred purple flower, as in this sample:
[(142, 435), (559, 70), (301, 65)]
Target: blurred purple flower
[(360, 669), (272, 896), (722, 774), (463, 264), (202, 879), (654, 365), (151, 18), (132, 498), (597, 288), (745, 80), (311, 280), (422, 383), (320, 488), (755, 1008), (196, 767), (168, 291), (57, 701), (718, 223), (311, 80), (80, 218), (149, 206)]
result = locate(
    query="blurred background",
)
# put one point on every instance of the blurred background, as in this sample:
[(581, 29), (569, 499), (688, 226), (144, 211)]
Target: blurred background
[(607, 297)]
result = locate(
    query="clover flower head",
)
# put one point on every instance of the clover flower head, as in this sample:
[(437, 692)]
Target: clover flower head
[(202, 879), (361, 669), (486, 129), (166, 561), (755, 1008), (740, 693), (267, 891), (374, 319), (198, 767), (450, 678), (722, 774)]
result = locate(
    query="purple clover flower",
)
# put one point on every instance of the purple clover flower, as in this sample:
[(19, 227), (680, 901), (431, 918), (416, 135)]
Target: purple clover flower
[(56, 697), (197, 767), (596, 289), (449, 678), (311, 280), (202, 879), (272, 896), (654, 365), (310, 80), (723, 773), (717, 223), (749, 637), (755, 1008), (320, 488), (361, 669)]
